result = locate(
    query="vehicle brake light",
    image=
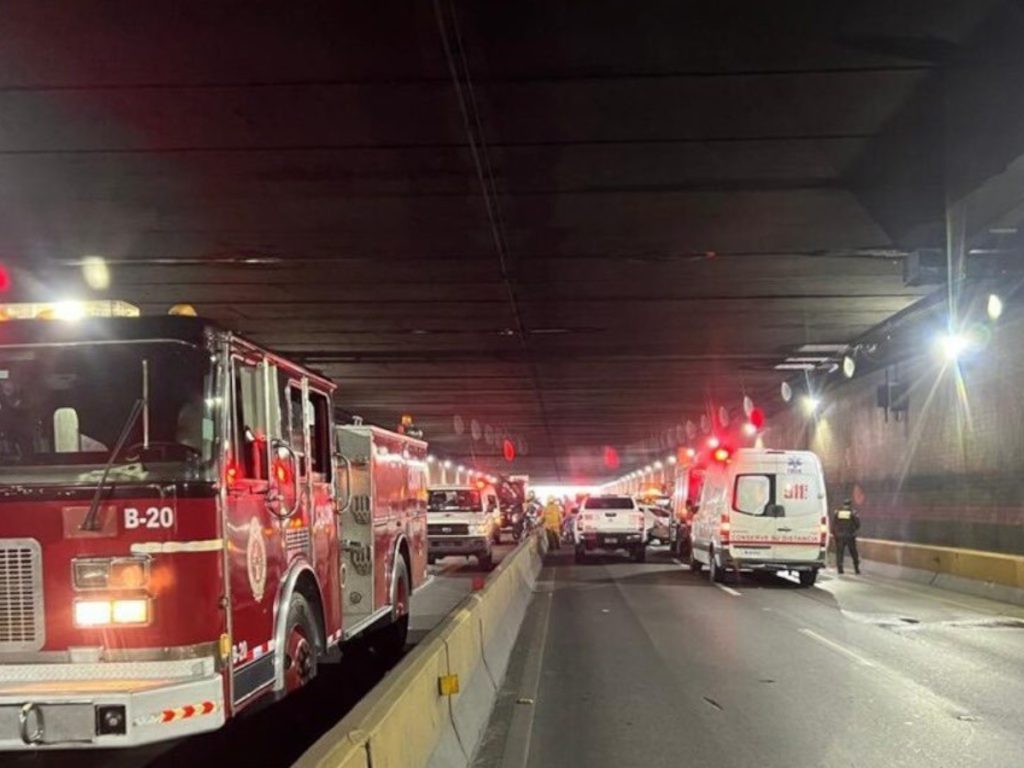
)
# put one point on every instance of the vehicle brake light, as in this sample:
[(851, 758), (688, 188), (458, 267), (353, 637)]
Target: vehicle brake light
[(725, 528), (824, 531)]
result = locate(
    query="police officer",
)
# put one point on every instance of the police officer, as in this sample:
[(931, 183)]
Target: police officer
[(845, 524)]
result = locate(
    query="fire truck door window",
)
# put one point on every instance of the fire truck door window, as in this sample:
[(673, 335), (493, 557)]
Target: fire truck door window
[(296, 428), (320, 434), (249, 417)]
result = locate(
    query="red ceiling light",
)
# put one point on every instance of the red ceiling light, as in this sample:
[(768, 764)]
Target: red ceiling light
[(5, 278), (757, 417), (508, 449), (611, 457)]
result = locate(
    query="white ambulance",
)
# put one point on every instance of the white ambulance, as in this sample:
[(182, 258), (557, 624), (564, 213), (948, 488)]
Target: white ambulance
[(761, 510)]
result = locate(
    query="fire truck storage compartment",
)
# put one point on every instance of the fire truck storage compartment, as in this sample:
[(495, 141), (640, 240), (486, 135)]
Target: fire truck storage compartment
[(382, 478)]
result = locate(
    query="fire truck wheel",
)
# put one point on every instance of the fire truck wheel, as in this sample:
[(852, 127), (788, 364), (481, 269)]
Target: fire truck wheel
[(390, 640), (300, 660)]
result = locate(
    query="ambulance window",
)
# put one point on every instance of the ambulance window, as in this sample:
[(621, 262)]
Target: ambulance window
[(320, 434), (753, 494), (249, 415)]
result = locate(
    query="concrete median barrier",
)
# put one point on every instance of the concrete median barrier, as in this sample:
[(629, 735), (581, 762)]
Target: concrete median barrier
[(415, 717), (986, 574)]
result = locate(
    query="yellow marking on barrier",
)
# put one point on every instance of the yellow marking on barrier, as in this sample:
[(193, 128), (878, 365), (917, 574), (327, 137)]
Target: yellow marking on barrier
[(448, 685)]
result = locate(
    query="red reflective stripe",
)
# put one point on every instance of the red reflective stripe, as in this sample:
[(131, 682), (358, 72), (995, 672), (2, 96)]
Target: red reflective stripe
[(207, 707), (167, 716), (188, 711), (776, 542)]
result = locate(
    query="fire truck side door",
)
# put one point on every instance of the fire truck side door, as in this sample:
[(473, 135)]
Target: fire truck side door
[(254, 554), (322, 505)]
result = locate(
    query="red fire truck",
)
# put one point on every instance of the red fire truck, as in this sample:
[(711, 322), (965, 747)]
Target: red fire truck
[(183, 529)]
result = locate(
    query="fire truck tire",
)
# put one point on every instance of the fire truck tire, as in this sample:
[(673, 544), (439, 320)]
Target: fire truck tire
[(390, 640), (300, 659)]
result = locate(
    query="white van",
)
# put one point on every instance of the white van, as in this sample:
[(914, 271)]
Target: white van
[(762, 510)]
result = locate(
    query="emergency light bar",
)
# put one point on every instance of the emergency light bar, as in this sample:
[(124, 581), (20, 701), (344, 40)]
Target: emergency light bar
[(67, 310)]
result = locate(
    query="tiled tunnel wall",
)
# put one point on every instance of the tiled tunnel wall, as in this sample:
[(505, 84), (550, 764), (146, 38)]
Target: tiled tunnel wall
[(950, 472)]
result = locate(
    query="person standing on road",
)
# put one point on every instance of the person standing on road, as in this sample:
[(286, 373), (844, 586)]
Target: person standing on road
[(553, 523), (845, 524)]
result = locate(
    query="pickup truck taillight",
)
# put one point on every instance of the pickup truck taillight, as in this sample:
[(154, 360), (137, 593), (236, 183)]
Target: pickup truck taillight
[(638, 520)]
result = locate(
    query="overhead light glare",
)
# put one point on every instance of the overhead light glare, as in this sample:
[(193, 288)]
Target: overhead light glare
[(995, 306), (849, 366)]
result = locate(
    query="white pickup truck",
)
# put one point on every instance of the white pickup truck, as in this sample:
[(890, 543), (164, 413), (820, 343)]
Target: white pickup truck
[(462, 520), (611, 524)]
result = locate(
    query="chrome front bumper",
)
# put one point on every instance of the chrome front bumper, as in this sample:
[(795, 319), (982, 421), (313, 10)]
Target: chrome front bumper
[(71, 706)]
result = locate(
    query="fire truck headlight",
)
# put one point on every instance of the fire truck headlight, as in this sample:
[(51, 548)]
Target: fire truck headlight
[(92, 613), (110, 573), (129, 573), (131, 611), (90, 573), (102, 613)]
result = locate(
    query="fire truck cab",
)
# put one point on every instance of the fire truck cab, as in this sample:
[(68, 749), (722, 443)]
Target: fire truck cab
[(170, 544)]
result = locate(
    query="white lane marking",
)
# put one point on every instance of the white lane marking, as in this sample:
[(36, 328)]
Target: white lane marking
[(730, 590), (837, 647)]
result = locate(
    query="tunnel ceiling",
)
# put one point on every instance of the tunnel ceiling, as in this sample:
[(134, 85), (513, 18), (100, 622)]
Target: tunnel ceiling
[(575, 224)]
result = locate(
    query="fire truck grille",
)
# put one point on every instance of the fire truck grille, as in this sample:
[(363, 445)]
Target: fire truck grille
[(21, 595)]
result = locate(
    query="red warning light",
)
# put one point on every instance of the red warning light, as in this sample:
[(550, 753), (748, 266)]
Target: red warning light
[(611, 457), (721, 455), (757, 417), (5, 278), (508, 449)]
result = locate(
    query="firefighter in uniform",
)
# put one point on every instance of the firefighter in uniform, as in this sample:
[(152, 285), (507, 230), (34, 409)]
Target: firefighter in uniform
[(845, 524), (553, 523)]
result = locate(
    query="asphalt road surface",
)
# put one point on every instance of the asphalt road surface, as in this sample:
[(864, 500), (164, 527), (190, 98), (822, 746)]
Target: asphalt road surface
[(275, 735), (620, 664)]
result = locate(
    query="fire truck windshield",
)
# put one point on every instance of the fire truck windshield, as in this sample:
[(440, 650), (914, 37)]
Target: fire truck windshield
[(62, 409)]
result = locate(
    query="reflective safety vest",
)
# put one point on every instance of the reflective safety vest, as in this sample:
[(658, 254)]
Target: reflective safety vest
[(846, 523)]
